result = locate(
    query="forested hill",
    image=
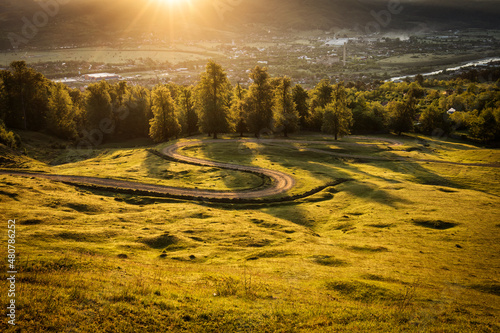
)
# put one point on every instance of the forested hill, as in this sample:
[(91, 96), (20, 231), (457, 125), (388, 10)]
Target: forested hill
[(327, 14), (80, 21)]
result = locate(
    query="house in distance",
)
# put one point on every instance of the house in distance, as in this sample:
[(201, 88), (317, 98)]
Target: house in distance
[(101, 76)]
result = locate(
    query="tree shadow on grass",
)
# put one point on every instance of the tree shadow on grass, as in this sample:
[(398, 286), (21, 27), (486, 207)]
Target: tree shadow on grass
[(293, 213), (418, 173), (289, 211), (243, 155), (336, 168), (157, 167), (367, 190)]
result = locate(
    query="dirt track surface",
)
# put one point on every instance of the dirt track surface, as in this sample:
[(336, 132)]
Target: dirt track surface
[(282, 182)]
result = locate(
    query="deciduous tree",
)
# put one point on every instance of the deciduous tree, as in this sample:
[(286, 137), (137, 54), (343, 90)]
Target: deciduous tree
[(301, 99), (337, 117), (187, 110), (321, 96), (285, 112), (164, 124), (61, 113), (402, 114), (135, 113), (3, 100), (213, 99), (435, 119), (27, 96), (238, 110), (99, 107), (259, 102), (484, 127)]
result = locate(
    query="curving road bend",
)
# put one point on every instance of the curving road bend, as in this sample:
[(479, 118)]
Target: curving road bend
[(281, 184)]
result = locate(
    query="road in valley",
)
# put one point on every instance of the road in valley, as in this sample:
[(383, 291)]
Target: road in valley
[(281, 182)]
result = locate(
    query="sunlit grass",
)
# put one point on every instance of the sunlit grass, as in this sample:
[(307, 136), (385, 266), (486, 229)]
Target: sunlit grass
[(141, 166), (401, 247)]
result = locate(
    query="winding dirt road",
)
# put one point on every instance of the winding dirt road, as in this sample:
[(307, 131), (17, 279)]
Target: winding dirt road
[(281, 184)]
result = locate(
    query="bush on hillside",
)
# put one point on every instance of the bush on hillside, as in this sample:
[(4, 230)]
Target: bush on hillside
[(9, 138)]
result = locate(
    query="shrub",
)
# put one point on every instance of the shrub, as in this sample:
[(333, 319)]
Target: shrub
[(9, 138)]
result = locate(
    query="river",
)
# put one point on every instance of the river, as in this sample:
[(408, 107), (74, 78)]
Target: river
[(451, 69)]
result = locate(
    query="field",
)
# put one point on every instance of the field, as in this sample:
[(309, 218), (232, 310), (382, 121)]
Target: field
[(109, 55), (403, 245), (413, 59)]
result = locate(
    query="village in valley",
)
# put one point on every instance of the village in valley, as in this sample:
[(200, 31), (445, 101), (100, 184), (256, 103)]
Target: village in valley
[(306, 57)]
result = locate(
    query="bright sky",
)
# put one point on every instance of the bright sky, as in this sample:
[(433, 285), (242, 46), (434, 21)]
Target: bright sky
[(174, 2)]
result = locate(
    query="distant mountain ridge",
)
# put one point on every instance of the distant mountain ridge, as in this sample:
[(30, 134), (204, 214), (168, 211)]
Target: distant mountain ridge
[(87, 21)]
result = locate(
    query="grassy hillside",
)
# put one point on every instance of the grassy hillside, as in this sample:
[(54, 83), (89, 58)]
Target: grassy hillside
[(403, 246)]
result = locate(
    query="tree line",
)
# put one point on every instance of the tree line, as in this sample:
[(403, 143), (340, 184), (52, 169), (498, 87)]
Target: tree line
[(119, 111)]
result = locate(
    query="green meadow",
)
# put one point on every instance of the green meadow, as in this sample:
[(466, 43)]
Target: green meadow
[(402, 246)]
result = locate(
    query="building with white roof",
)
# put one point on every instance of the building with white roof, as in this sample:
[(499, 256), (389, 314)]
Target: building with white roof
[(101, 76)]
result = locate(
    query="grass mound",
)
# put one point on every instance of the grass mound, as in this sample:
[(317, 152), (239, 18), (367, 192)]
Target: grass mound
[(367, 248), (250, 242), (375, 277), (9, 194), (437, 224), (447, 190), (55, 265), (10, 158), (162, 241), (265, 224), (488, 288), (345, 226), (325, 196), (82, 208), (269, 254), (380, 225), (360, 291), (31, 222), (85, 236), (329, 261), (201, 216)]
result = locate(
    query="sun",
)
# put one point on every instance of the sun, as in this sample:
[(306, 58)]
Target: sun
[(173, 2)]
